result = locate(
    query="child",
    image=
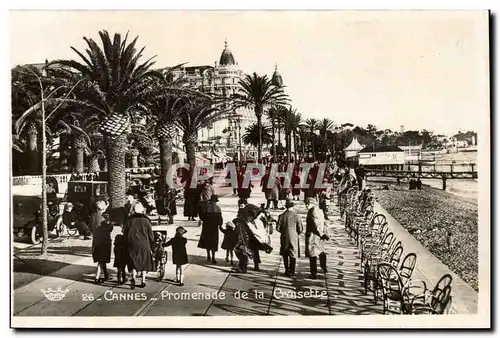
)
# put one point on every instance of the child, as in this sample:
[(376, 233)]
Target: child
[(159, 253), (101, 248), (229, 241), (121, 259), (179, 253)]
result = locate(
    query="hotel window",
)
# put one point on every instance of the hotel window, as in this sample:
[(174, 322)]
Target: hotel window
[(374, 155)]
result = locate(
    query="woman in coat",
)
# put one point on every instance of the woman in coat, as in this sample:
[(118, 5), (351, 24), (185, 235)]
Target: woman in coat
[(316, 234), (212, 219), (96, 217), (242, 248), (139, 238), (101, 248)]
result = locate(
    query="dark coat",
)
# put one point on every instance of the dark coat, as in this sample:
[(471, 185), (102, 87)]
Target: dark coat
[(212, 219), (122, 258), (243, 238), (95, 220), (101, 244), (139, 238), (229, 241), (206, 192), (191, 199), (290, 227), (295, 184), (179, 253), (244, 191), (170, 202)]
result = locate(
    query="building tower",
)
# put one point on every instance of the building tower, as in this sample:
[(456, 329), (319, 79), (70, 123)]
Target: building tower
[(276, 80)]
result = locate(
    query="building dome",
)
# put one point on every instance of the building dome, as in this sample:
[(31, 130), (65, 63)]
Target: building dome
[(276, 79), (226, 58)]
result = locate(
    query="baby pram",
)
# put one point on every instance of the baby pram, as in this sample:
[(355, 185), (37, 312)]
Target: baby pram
[(159, 253)]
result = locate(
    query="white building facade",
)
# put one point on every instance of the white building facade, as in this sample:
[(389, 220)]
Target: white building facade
[(381, 156)]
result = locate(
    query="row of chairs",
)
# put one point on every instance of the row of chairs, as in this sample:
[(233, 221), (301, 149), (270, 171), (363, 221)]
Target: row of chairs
[(385, 273)]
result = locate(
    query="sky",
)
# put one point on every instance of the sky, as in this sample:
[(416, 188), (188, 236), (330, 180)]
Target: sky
[(417, 69)]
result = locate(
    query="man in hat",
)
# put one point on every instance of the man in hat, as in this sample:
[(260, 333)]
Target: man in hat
[(316, 234), (290, 227)]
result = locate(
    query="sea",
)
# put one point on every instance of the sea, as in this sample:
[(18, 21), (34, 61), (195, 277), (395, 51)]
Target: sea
[(460, 187)]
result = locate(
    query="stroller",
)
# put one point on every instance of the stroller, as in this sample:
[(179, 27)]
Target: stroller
[(159, 254)]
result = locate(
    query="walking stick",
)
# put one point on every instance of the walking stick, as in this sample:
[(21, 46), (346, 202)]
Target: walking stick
[(298, 246)]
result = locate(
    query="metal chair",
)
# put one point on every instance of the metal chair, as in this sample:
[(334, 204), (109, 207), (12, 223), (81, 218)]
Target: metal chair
[(396, 255), (438, 299), (407, 267), (393, 296)]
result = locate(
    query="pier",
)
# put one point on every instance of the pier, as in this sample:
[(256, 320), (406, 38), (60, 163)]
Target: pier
[(442, 171)]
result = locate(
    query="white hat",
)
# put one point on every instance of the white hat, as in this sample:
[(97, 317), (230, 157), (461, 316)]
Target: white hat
[(139, 208)]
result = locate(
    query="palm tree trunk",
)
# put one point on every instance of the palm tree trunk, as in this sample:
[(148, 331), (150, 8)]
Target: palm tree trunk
[(166, 145), (94, 163), (274, 140), (302, 142), (116, 148), (134, 154), (190, 144), (294, 146), (79, 163), (258, 114)]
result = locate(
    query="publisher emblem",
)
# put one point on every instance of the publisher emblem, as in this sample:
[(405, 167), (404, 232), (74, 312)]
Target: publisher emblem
[(54, 295)]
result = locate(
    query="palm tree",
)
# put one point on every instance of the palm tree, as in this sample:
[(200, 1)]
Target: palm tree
[(295, 122), (312, 125), (201, 111), (166, 105), (116, 83), (325, 126), (258, 92), (302, 134), (287, 119), (272, 115), (251, 136)]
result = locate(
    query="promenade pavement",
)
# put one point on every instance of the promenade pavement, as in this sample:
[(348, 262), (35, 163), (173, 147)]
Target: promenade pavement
[(269, 292)]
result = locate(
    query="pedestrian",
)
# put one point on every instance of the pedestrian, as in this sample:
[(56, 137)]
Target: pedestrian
[(206, 191), (191, 199), (360, 174), (290, 227), (316, 234), (101, 248), (283, 192), (295, 185), (242, 248), (323, 199), (274, 193), (170, 203), (229, 241), (121, 258), (96, 217), (212, 219), (139, 239), (259, 234), (244, 190), (179, 253)]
